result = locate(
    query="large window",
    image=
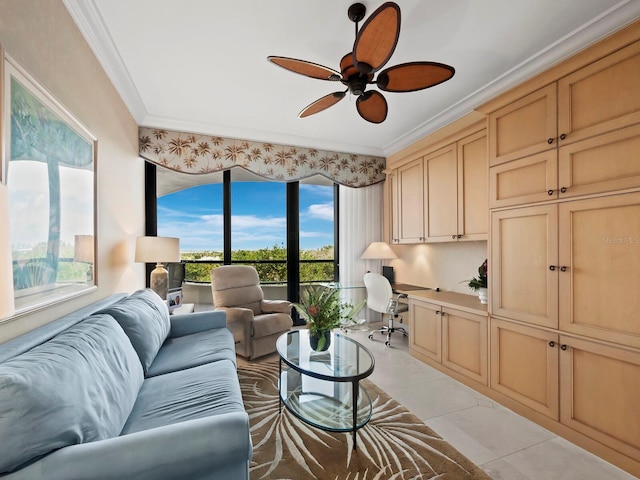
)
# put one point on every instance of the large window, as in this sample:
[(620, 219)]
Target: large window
[(192, 207)]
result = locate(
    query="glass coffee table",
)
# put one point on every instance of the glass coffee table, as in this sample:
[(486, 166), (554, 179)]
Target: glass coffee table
[(323, 388)]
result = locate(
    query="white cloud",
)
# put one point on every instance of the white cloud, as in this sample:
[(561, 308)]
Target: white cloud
[(323, 211)]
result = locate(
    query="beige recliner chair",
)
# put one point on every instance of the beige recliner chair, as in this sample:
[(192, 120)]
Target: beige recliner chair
[(256, 323)]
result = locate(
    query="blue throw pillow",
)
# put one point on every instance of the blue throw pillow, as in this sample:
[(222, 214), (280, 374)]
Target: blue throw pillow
[(78, 387), (144, 317)]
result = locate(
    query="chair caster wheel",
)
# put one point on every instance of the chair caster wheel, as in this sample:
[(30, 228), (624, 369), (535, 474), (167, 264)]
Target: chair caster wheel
[(386, 343), (371, 336)]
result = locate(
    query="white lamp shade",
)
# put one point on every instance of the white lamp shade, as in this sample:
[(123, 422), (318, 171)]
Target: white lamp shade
[(7, 305), (378, 251), (157, 249)]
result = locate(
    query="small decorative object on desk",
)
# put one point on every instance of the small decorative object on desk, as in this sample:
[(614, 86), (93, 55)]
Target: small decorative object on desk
[(323, 311), (479, 283)]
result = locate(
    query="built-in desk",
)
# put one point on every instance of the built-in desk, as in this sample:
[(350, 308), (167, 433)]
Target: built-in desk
[(460, 301)]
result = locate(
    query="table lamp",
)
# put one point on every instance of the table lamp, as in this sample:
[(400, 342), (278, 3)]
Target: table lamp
[(7, 305), (379, 251), (83, 253), (158, 250)]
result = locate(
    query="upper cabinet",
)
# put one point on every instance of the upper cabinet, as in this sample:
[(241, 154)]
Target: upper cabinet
[(592, 148), (442, 196)]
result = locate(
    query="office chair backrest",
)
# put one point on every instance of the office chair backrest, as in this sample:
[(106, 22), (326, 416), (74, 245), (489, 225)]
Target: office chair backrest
[(379, 292)]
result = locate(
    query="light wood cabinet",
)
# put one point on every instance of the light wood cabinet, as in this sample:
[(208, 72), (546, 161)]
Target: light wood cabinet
[(473, 187), (524, 365), (425, 326), (599, 259), (600, 387), (441, 175), (524, 127), (465, 344), (442, 197), (455, 338), (605, 163), (410, 203), (524, 246), (601, 97)]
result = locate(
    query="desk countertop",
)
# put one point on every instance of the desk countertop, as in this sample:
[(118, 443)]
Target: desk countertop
[(461, 301)]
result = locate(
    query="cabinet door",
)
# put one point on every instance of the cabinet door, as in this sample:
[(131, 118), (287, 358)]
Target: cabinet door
[(392, 178), (442, 194), (524, 127), (600, 250), (524, 365), (527, 180), (524, 261), (465, 344), (473, 188), (425, 326), (604, 163), (601, 97), (411, 203), (599, 393)]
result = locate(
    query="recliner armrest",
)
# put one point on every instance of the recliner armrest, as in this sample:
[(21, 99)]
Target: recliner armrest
[(275, 306)]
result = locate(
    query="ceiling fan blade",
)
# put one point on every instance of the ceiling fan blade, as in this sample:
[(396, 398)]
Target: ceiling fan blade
[(409, 77), (321, 104), (377, 38), (308, 69), (372, 106)]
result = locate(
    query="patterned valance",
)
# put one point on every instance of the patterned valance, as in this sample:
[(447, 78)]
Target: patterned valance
[(197, 154)]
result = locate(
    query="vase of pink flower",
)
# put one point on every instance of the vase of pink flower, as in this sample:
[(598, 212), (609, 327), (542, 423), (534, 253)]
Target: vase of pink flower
[(479, 283)]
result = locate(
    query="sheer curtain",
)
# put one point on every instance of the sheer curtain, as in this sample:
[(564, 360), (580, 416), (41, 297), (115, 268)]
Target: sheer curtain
[(360, 224)]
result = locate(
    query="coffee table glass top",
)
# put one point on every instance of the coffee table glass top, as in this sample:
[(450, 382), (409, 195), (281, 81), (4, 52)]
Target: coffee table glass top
[(323, 388), (345, 360)]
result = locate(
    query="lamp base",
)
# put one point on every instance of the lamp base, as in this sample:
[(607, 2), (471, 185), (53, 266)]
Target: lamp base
[(159, 281)]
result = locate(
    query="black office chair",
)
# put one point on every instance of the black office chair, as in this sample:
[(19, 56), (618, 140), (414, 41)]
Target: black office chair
[(380, 298)]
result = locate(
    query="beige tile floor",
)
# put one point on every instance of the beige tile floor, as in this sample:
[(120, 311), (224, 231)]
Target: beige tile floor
[(504, 444)]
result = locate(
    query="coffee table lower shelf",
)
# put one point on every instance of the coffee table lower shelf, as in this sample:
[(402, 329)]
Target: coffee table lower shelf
[(325, 404)]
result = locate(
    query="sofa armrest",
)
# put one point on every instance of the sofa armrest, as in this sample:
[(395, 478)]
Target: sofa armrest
[(275, 306), (190, 449), (189, 323)]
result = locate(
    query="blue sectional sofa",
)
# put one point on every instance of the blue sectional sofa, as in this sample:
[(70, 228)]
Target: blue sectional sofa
[(122, 390)]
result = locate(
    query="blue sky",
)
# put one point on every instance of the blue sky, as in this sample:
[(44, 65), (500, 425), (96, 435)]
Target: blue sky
[(258, 216)]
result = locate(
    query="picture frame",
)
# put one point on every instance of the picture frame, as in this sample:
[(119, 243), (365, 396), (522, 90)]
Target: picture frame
[(49, 167)]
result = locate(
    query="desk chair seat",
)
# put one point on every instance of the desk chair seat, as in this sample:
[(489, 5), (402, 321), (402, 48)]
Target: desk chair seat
[(380, 298)]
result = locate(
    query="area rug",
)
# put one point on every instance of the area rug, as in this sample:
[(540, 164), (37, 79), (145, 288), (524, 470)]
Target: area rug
[(394, 445)]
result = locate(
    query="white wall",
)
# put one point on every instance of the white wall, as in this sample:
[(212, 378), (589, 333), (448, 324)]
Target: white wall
[(43, 38)]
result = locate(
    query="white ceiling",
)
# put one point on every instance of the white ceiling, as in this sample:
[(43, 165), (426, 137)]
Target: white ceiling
[(200, 65)]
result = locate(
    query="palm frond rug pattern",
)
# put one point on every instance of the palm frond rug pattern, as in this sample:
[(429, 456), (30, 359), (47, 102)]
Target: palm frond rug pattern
[(394, 445)]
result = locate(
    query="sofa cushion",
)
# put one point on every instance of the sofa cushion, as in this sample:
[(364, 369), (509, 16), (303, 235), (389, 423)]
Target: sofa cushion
[(192, 350), (78, 387), (144, 317), (197, 392)]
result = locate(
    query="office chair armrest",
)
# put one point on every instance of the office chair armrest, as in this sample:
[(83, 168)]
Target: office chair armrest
[(403, 295)]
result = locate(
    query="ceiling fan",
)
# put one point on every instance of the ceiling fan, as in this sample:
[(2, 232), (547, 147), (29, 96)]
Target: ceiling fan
[(372, 49)]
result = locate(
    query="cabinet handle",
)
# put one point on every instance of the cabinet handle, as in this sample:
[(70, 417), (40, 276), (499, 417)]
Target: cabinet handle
[(552, 267), (552, 344), (438, 312), (563, 347), (563, 136), (453, 237), (563, 190), (550, 141), (563, 268), (549, 192), (459, 236)]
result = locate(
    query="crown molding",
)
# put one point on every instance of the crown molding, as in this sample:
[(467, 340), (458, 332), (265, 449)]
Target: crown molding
[(617, 17), (87, 17)]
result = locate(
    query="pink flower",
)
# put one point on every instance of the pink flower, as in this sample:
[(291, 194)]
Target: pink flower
[(313, 310)]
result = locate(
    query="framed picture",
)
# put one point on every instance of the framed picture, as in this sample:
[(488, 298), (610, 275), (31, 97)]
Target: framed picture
[(48, 166)]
